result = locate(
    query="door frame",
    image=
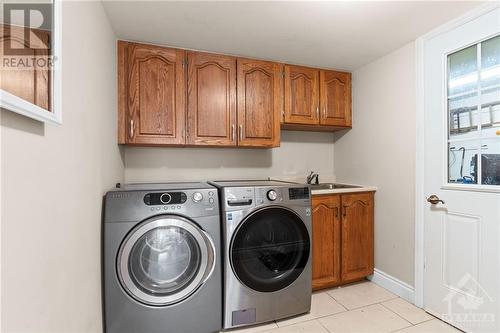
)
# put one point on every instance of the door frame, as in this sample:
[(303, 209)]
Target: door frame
[(420, 203)]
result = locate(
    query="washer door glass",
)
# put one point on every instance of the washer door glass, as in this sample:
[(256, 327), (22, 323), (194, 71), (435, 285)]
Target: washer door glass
[(164, 260), (270, 249)]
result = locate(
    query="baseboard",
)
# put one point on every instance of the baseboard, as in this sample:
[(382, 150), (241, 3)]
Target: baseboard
[(394, 285)]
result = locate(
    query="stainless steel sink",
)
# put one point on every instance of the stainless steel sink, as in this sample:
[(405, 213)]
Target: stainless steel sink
[(331, 186)]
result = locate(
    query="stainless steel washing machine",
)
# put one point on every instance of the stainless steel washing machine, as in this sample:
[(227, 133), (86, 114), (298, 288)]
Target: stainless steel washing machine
[(162, 267), (266, 231)]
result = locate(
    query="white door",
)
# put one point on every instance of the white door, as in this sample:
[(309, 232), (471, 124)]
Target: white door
[(462, 168)]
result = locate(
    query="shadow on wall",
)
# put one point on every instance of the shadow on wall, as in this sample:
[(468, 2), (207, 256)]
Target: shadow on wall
[(299, 152), (21, 123), (178, 158), (146, 157)]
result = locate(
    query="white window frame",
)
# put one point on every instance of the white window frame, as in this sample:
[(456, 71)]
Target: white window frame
[(16, 104), (446, 185)]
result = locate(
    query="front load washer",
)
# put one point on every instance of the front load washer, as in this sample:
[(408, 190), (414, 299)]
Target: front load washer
[(266, 230), (162, 267)]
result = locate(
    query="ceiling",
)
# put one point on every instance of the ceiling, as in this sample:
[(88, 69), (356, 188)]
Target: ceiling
[(342, 34)]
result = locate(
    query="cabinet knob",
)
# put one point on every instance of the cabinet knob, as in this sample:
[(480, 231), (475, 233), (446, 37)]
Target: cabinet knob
[(131, 128)]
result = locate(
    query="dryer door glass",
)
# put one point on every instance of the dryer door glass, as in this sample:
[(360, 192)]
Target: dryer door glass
[(270, 249), (164, 260)]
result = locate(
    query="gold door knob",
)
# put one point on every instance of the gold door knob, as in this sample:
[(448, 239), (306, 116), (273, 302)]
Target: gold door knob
[(434, 199)]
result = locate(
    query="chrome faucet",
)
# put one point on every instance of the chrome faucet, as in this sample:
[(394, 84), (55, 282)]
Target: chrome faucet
[(313, 176)]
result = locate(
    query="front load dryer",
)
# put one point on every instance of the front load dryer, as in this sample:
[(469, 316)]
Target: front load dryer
[(162, 267), (266, 228)]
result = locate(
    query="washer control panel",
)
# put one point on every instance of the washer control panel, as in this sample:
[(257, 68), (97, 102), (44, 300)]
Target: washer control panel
[(165, 198)]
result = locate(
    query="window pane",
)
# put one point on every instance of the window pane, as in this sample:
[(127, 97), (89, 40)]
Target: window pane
[(463, 92), (490, 87), (490, 162), (461, 161)]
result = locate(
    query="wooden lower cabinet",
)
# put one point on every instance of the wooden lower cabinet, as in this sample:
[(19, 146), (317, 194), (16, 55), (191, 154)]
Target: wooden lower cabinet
[(342, 238), (326, 240)]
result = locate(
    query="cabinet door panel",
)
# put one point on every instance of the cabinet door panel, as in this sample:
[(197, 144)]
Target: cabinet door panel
[(156, 93), (301, 95), (211, 99), (259, 103), (357, 236), (326, 241), (335, 89)]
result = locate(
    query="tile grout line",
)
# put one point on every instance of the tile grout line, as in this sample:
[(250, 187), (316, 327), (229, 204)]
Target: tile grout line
[(397, 314), (342, 305), (326, 328)]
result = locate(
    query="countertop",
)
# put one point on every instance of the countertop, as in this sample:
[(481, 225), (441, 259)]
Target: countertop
[(358, 188)]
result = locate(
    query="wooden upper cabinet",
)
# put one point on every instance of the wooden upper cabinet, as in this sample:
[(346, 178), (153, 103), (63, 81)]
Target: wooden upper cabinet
[(326, 241), (31, 83), (211, 99), (357, 236), (259, 103), (152, 85), (301, 95), (335, 98), (174, 97)]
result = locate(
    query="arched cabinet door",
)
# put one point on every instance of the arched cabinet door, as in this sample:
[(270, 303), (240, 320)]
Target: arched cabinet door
[(335, 99), (211, 99), (301, 95), (152, 78), (259, 103), (326, 241), (357, 236)]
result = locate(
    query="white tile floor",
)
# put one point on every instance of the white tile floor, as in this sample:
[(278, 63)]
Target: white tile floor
[(357, 308)]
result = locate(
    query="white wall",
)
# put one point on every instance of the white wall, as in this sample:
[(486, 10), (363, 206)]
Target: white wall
[(380, 151), (299, 153), (53, 179)]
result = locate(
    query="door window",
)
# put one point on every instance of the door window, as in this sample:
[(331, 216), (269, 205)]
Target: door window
[(270, 249), (474, 114)]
